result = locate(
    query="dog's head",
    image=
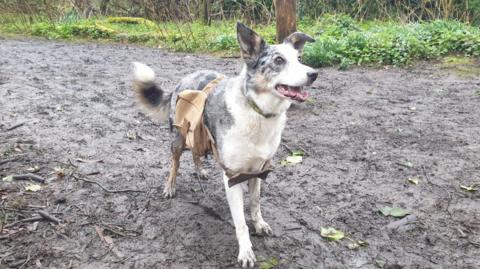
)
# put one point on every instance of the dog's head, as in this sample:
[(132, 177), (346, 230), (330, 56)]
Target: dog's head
[(275, 69)]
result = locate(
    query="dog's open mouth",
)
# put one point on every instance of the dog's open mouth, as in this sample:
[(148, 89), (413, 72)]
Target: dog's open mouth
[(295, 93)]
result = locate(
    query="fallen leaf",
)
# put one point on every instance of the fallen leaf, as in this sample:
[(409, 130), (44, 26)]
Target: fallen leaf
[(8, 178), (471, 188), (298, 153), (270, 264), (331, 234), (394, 211), (413, 180), (380, 263), (132, 135), (311, 101), (33, 169), (362, 243), (33, 187), (355, 245), (294, 159)]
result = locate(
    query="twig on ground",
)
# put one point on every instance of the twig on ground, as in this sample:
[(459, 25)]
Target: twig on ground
[(109, 242), (105, 189), (29, 177), (15, 126), (32, 219), (113, 230), (43, 216), (8, 160), (18, 263), (49, 217), (26, 260)]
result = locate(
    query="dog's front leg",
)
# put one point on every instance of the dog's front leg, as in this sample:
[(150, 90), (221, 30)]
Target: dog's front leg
[(235, 201), (261, 227)]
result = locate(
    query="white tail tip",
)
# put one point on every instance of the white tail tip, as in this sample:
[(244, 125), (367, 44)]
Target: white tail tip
[(142, 72)]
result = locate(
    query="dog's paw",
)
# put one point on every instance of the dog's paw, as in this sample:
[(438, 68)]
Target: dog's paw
[(168, 192), (246, 257), (261, 227)]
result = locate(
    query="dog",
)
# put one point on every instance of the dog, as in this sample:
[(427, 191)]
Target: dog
[(245, 114)]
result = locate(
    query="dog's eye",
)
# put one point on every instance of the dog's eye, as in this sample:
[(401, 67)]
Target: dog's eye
[(299, 58), (279, 60)]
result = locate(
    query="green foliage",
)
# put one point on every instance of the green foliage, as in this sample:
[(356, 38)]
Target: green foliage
[(224, 42), (344, 41), (69, 30), (340, 40)]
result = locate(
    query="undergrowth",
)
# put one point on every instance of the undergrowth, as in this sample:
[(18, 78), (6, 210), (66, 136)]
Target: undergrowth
[(340, 40)]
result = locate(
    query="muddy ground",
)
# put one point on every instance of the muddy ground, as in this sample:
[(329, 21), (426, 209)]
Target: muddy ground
[(68, 109)]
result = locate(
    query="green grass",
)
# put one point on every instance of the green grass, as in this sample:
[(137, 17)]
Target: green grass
[(340, 40)]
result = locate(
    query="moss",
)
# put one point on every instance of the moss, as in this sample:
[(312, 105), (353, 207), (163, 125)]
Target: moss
[(131, 20)]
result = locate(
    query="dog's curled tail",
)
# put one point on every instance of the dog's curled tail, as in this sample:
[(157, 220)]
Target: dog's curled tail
[(154, 101)]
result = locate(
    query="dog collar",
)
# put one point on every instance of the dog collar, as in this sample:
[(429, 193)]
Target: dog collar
[(259, 111)]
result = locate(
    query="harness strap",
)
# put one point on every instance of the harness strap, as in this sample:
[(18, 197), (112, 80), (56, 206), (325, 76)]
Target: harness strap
[(200, 140), (235, 178)]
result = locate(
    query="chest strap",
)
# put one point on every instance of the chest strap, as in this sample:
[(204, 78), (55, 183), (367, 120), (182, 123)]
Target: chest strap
[(189, 121)]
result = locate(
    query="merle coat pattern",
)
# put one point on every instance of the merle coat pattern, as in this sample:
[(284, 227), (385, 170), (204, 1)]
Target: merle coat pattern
[(246, 115)]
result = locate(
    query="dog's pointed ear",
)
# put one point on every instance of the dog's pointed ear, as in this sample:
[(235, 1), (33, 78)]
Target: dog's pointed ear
[(298, 40), (251, 44)]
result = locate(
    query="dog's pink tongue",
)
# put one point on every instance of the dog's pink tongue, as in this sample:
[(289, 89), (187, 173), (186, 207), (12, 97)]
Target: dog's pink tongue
[(302, 96), (297, 94)]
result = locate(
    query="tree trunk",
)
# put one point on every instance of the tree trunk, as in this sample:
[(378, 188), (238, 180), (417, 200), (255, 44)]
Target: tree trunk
[(104, 7), (205, 12), (286, 17)]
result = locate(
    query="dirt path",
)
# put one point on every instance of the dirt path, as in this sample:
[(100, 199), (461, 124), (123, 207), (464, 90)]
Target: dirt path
[(365, 134)]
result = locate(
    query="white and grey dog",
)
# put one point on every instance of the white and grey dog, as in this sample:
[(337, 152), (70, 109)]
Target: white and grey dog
[(246, 115)]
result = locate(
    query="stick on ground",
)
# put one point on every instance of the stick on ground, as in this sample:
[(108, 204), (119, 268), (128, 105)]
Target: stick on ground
[(8, 160), (49, 217), (15, 126), (29, 177), (105, 189)]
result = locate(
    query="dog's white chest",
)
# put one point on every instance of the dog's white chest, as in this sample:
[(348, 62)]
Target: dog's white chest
[(252, 140)]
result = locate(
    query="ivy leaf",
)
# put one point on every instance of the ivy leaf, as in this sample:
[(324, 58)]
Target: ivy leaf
[(331, 234), (294, 159), (396, 212), (471, 188)]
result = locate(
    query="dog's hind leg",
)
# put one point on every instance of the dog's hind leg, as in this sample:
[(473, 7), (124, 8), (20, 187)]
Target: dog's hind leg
[(199, 166), (246, 257), (178, 145), (261, 227)]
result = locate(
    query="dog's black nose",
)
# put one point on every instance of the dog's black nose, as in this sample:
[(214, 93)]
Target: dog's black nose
[(312, 76)]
